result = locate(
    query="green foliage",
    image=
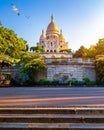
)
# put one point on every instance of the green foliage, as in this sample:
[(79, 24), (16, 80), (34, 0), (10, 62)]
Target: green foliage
[(55, 82), (37, 49), (35, 64), (93, 51), (47, 82), (32, 64), (100, 47), (86, 81), (44, 82), (11, 47), (81, 52), (99, 64), (33, 48), (10, 44), (6, 60), (27, 56), (66, 50)]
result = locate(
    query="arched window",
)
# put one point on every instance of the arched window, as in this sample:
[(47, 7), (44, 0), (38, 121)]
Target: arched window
[(42, 41), (54, 50), (47, 50), (51, 50), (51, 43)]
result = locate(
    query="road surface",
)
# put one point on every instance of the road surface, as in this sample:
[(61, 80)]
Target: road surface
[(51, 97)]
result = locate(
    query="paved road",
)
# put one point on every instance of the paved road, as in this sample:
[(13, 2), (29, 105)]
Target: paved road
[(39, 97)]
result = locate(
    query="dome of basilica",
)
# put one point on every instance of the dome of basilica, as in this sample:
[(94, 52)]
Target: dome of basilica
[(52, 27)]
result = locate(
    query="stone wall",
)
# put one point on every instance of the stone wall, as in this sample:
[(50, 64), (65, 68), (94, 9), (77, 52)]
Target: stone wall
[(68, 71), (63, 70), (13, 71), (57, 55)]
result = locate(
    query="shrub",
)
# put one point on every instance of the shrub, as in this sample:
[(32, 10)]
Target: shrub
[(86, 81), (55, 82), (43, 82)]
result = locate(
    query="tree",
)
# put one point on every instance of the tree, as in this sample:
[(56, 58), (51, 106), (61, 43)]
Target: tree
[(32, 64), (81, 52), (11, 47), (66, 50), (10, 44), (97, 49), (91, 52), (33, 48), (99, 65), (37, 49), (100, 47)]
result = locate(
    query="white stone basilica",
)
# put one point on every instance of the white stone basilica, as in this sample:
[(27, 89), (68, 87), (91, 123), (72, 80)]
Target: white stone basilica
[(53, 41), (61, 64)]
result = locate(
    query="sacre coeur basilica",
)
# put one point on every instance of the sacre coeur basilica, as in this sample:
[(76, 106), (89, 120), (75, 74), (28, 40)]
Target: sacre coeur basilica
[(61, 66), (53, 40)]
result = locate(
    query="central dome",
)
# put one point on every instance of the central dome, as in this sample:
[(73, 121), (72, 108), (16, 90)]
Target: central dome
[(52, 27)]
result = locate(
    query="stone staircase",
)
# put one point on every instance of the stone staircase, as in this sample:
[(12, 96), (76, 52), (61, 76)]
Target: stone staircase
[(82, 118)]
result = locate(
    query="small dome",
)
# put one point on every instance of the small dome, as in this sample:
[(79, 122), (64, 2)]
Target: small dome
[(42, 35), (52, 27), (61, 36)]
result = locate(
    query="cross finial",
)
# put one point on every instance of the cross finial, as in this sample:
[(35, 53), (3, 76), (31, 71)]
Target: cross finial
[(52, 18)]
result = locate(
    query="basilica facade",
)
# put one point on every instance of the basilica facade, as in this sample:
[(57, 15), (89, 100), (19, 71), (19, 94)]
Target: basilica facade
[(53, 41)]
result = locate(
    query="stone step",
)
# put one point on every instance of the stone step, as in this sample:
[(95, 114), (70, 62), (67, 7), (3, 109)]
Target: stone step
[(51, 118), (72, 110), (49, 126)]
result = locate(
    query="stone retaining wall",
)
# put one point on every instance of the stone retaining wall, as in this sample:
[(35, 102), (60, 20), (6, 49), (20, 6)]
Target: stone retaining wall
[(63, 70), (71, 71)]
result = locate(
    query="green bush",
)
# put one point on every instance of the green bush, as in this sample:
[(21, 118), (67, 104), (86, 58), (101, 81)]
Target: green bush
[(55, 82), (86, 81), (99, 83), (43, 82)]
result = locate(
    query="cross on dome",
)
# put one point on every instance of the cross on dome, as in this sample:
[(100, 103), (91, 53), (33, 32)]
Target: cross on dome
[(52, 18)]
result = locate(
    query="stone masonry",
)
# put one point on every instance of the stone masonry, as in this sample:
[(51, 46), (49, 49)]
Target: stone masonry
[(71, 70)]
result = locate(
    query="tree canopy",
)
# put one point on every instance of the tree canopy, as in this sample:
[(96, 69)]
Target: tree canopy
[(99, 64), (32, 64), (37, 49), (66, 50), (10, 44), (91, 52), (81, 52), (11, 47)]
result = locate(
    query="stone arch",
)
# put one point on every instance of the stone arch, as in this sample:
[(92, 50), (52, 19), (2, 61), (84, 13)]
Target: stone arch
[(51, 50)]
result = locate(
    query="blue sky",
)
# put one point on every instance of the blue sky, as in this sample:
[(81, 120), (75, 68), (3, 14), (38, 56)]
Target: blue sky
[(82, 21)]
